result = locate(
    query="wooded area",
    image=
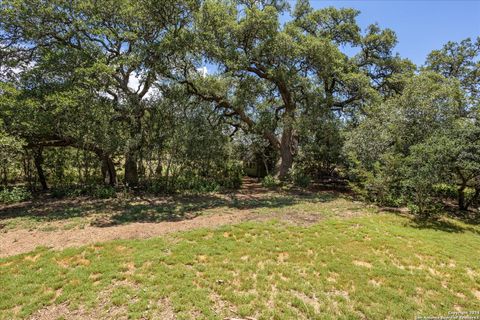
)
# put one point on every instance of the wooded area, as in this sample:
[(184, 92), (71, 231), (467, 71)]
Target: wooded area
[(178, 95)]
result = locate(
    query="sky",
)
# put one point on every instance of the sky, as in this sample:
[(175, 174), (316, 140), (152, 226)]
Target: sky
[(421, 25)]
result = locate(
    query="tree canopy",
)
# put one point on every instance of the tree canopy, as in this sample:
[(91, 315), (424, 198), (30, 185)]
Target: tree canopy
[(184, 93)]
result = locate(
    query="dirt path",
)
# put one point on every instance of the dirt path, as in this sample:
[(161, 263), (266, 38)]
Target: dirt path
[(21, 241)]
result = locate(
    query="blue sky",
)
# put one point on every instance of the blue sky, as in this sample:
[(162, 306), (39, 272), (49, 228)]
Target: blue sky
[(421, 26)]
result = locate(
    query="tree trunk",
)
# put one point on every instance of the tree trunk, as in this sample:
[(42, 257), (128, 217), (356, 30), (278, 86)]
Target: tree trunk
[(104, 170), (159, 169), (28, 172), (287, 146), (108, 171), (134, 144), (38, 159), (131, 170), (265, 164), (286, 158)]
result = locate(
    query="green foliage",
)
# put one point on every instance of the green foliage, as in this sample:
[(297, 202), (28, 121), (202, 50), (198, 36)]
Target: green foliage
[(93, 190), (195, 183), (11, 154), (191, 181), (273, 81), (14, 194), (320, 151), (445, 190), (232, 176), (450, 191), (104, 192), (455, 154), (155, 186), (421, 173), (270, 181), (381, 183), (93, 85), (421, 139), (460, 61), (299, 177)]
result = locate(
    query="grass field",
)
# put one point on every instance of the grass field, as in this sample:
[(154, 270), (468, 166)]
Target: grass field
[(353, 262)]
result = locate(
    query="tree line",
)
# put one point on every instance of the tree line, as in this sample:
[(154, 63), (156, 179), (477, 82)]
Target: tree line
[(181, 94)]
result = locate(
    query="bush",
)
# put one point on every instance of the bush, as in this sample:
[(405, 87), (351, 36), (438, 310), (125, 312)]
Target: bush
[(15, 194), (322, 143), (200, 181), (155, 186), (446, 190), (450, 191), (190, 180), (410, 143), (232, 176), (299, 177), (302, 181), (270, 182), (195, 183), (380, 184), (103, 192), (95, 191), (63, 191)]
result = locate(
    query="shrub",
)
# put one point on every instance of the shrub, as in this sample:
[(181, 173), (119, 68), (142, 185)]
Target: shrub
[(380, 184), (15, 194), (103, 192), (95, 191), (63, 191), (233, 174), (411, 142), (200, 181), (302, 180), (446, 190), (270, 182), (155, 186), (299, 177), (192, 182)]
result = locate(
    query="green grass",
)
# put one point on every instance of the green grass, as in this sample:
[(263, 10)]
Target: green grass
[(376, 266)]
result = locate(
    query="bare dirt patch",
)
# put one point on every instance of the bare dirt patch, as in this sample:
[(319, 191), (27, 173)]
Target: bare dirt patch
[(57, 310), (21, 241), (143, 217)]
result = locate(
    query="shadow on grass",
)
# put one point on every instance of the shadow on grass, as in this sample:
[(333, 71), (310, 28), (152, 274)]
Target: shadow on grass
[(110, 212), (189, 208), (443, 224), (51, 209)]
